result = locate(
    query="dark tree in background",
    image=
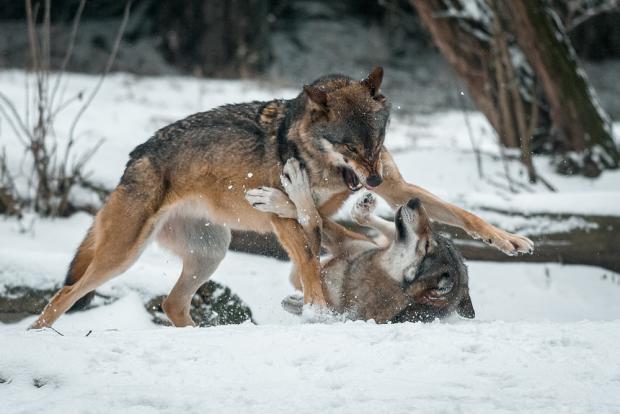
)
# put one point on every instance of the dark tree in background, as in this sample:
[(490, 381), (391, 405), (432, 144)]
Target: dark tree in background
[(522, 72), (579, 121), (514, 56), (225, 38)]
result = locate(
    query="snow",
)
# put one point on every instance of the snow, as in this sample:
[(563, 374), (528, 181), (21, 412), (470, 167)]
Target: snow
[(544, 338), (350, 367)]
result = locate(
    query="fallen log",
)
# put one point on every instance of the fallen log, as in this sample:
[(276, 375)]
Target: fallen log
[(596, 245)]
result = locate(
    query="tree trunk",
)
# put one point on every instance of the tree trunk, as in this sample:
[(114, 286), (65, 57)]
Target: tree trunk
[(593, 246), (481, 48), (577, 118), (478, 49), (468, 55)]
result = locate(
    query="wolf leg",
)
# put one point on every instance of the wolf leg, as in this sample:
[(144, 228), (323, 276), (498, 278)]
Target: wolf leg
[(301, 238), (272, 200), (296, 183), (293, 238), (396, 191), (202, 246), (82, 259), (121, 230)]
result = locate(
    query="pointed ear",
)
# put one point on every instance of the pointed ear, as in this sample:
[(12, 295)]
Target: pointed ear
[(316, 96), (373, 81), (466, 308)]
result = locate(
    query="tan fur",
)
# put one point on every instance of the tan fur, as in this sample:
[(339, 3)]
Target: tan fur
[(120, 231), (383, 283), (396, 191), (197, 171)]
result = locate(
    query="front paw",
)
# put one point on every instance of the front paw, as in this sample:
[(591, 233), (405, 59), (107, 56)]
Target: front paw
[(363, 208), (510, 244), (271, 200), (295, 180)]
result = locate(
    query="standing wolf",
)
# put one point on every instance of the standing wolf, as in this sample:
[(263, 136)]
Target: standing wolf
[(185, 186)]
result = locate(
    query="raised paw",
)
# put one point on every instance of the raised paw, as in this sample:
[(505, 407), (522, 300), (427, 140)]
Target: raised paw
[(510, 244), (271, 200), (295, 182), (363, 208)]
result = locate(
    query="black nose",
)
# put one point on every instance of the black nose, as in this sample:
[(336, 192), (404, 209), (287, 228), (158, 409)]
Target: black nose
[(374, 180), (414, 203)]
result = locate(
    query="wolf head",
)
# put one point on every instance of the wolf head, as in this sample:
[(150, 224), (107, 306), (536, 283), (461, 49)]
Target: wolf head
[(347, 123), (436, 279)]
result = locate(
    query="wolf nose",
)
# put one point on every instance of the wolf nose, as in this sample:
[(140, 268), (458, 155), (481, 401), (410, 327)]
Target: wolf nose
[(414, 203), (374, 180)]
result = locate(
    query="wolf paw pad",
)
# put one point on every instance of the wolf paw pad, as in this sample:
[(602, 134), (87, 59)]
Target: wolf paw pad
[(363, 208)]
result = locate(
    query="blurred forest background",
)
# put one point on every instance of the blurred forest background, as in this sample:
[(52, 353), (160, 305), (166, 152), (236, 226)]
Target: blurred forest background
[(290, 41), (294, 41)]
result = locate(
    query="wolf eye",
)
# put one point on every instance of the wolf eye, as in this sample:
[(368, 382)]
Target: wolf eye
[(350, 147), (445, 284)]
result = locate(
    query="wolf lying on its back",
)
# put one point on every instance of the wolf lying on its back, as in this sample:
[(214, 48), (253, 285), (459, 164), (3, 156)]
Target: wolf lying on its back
[(185, 186), (413, 274)]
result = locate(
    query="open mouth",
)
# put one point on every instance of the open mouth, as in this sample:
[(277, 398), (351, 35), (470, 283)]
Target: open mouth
[(350, 179), (399, 221)]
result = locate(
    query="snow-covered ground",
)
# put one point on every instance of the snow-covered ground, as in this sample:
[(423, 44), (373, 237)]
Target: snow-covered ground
[(545, 337)]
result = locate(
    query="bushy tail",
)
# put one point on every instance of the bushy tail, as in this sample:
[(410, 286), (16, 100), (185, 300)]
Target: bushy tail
[(78, 266)]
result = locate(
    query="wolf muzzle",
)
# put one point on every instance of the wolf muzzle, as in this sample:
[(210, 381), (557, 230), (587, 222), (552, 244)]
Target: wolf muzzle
[(374, 180)]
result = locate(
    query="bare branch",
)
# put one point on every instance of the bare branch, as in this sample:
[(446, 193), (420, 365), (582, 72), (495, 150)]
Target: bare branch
[(17, 119), (474, 144), (108, 66), (49, 176), (582, 11), (69, 52)]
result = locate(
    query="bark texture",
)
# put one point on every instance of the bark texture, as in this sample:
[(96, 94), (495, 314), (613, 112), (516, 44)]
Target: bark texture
[(521, 71), (468, 55), (577, 118)]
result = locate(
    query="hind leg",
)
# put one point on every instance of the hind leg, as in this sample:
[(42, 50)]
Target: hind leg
[(202, 246), (121, 230)]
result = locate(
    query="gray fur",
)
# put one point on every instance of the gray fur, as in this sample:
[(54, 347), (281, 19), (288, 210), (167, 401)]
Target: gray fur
[(419, 276)]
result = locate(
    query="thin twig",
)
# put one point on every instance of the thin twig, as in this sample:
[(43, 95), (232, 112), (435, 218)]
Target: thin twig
[(12, 125), (470, 133), (108, 66), (64, 105), (15, 114), (54, 329), (502, 153), (547, 184), (69, 52), (588, 12), (32, 36)]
